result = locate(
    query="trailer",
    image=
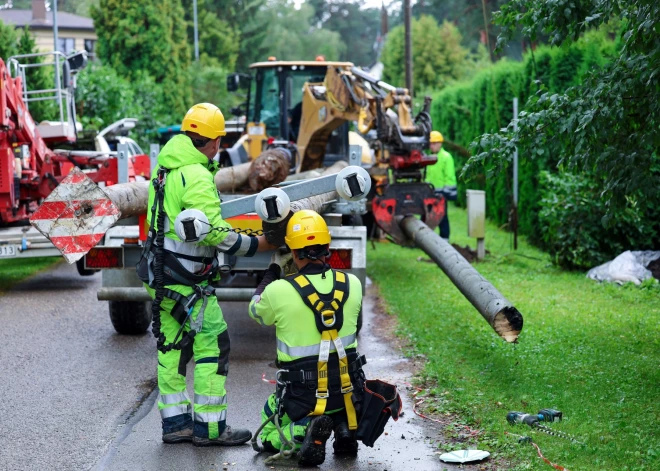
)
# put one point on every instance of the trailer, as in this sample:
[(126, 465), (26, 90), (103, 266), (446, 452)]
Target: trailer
[(118, 252)]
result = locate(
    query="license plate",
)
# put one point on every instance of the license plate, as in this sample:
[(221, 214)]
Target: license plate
[(7, 250)]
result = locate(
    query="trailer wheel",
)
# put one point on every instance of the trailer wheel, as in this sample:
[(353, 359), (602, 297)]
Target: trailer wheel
[(130, 317), (82, 271)]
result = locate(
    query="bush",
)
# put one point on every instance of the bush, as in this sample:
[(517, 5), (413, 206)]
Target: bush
[(466, 110), (103, 97), (571, 226)]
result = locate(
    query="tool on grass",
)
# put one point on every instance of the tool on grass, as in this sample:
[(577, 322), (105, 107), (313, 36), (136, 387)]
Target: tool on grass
[(534, 421)]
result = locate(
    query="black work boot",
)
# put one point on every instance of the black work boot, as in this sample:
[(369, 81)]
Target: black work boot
[(227, 438), (180, 436), (312, 451), (345, 442)]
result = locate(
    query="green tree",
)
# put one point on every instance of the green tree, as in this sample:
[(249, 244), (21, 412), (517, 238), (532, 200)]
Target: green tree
[(147, 37), (250, 28), (219, 41), (37, 78), (438, 57), (292, 37), (357, 26), (8, 41), (607, 125)]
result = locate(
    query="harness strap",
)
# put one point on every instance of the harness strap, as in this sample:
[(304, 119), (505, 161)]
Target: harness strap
[(303, 375), (328, 322)]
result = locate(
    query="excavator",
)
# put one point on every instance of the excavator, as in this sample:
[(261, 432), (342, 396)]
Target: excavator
[(307, 107)]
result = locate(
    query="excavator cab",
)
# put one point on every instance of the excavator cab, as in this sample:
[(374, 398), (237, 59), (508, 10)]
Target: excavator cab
[(274, 105)]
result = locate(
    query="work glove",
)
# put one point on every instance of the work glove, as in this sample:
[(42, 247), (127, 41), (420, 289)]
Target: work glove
[(275, 231), (281, 259)]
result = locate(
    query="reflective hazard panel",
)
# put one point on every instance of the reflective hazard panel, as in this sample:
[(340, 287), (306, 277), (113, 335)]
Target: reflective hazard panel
[(75, 216)]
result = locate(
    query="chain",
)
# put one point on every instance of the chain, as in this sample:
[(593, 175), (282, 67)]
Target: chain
[(235, 230)]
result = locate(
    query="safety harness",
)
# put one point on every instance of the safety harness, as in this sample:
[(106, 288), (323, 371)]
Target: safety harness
[(159, 267), (329, 316)]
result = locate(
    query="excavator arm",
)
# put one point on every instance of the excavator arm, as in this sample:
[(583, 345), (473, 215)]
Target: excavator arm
[(350, 94)]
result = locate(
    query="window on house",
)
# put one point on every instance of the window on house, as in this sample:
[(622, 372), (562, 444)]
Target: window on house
[(66, 45)]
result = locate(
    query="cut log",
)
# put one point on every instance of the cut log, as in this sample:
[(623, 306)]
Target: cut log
[(270, 168)]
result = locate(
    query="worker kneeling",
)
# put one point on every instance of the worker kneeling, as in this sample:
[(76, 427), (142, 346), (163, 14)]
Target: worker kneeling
[(321, 387)]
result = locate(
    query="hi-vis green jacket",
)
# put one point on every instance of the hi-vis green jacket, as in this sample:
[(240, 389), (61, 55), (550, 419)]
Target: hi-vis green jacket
[(296, 331), (442, 174), (190, 185)]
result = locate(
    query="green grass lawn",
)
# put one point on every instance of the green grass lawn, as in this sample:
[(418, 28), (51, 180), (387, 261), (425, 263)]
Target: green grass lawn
[(590, 350), (16, 269)]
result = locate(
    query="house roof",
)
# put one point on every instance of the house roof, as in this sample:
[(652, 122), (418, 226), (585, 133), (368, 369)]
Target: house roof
[(20, 18)]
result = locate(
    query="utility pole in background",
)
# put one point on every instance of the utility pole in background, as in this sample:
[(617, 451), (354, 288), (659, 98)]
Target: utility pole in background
[(515, 178), (407, 13), (196, 34), (56, 41)]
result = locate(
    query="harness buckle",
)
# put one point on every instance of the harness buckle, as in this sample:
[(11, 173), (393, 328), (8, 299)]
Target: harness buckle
[(277, 377), (347, 389), (321, 395), (334, 319)]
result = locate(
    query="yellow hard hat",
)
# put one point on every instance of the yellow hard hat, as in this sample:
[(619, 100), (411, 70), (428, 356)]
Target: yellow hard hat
[(306, 228), (204, 119), (436, 137)]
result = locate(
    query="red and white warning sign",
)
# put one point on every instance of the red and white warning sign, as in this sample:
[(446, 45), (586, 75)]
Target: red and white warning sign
[(75, 216)]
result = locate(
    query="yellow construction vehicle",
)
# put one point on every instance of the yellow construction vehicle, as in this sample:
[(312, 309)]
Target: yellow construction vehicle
[(307, 107)]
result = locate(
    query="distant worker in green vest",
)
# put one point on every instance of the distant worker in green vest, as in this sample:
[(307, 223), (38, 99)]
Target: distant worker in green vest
[(442, 175)]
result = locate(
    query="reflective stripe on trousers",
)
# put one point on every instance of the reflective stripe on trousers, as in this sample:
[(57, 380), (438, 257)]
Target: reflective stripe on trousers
[(214, 402), (209, 417), (173, 411), (311, 350), (171, 405), (210, 400)]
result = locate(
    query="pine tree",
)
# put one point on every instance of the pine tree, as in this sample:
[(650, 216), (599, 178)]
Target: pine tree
[(147, 37), (37, 78), (8, 41)]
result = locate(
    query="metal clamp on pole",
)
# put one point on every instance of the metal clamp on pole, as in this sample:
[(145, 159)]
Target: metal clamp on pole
[(353, 183), (272, 205)]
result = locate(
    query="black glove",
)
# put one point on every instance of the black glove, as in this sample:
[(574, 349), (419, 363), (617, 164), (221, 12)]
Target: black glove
[(275, 231)]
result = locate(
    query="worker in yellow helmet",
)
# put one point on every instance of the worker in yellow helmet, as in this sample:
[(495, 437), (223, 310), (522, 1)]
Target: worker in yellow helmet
[(176, 270), (306, 420), (442, 175)]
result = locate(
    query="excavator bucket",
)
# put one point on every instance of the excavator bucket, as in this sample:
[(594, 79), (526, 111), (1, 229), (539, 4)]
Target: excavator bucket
[(75, 216)]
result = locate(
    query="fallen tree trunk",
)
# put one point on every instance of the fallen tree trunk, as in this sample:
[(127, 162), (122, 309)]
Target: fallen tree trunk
[(500, 314)]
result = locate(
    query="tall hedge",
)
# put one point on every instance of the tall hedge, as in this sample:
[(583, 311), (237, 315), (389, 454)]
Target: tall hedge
[(484, 104)]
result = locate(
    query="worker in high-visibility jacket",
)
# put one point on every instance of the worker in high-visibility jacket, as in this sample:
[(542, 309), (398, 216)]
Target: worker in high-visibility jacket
[(315, 313), (442, 175), (188, 321)]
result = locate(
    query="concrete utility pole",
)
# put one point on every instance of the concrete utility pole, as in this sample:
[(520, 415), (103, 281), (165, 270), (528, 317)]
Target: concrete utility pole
[(500, 314), (407, 14), (196, 32)]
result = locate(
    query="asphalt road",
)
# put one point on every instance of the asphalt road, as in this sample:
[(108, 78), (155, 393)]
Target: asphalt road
[(75, 395)]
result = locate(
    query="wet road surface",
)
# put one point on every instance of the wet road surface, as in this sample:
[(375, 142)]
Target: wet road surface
[(76, 395)]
